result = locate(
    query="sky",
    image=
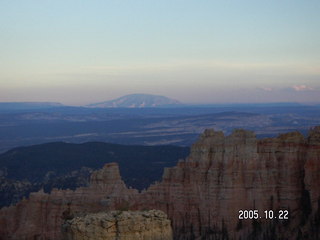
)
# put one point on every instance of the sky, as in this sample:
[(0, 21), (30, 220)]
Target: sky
[(196, 51)]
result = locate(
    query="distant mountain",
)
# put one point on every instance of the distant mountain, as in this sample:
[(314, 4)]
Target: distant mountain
[(137, 101), (28, 105)]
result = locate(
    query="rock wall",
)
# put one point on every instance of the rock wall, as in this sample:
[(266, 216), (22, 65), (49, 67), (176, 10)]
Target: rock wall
[(203, 194), (120, 225)]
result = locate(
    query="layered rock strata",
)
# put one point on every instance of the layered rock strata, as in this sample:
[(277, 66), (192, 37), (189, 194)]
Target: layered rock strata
[(120, 225), (203, 194)]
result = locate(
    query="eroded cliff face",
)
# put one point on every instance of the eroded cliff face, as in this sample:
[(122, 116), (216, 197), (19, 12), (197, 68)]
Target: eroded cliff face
[(41, 216), (203, 194), (120, 225)]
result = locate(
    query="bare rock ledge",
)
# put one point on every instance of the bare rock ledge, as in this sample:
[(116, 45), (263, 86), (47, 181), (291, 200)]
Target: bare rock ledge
[(120, 225)]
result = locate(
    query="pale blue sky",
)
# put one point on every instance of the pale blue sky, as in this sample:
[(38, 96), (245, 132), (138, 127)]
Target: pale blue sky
[(78, 52)]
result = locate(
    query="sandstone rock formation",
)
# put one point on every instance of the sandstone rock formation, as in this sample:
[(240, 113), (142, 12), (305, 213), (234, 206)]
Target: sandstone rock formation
[(120, 225), (203, 194), (41, 216)]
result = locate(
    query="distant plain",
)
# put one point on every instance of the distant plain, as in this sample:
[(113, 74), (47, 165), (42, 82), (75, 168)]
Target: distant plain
[(148, 126)]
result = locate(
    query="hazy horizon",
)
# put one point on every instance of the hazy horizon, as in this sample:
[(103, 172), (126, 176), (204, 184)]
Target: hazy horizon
[(78, 53), (180, 102)]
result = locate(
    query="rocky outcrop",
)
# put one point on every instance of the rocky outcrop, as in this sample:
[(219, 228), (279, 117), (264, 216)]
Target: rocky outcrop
[(121, 225), (42, 214), (203, 194)]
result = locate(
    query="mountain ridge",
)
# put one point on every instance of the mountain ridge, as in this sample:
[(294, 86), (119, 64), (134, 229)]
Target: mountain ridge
[(138, 100), (28, 105)]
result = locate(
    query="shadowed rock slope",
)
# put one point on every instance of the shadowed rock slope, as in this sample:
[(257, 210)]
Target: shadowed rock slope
[(203, 194)]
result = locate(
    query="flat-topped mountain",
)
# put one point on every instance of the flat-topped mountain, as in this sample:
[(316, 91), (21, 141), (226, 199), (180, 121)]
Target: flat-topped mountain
[(137, 101)]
